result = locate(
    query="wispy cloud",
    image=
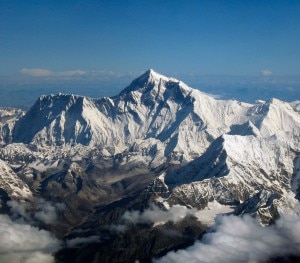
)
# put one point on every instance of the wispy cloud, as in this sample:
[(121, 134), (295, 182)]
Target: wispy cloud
[(48, 212), (266, 73), (71, 74), (36, 72), (235, 239)]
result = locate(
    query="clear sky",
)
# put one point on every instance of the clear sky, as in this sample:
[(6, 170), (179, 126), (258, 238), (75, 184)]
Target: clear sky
[(113, 38)]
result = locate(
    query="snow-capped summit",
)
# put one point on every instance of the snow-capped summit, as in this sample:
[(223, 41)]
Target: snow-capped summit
[(147, 80), (156, 87)]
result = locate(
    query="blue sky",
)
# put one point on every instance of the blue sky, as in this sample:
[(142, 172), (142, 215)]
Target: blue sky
[(71, 39)]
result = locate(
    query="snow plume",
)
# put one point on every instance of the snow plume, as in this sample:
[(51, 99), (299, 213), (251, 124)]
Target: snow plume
[(242, 239), (157, 216), (44, 211), (22, 243)]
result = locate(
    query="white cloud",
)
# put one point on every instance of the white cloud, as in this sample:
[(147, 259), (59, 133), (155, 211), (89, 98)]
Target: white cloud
[(235, 239), (266, 73), (22, 243)]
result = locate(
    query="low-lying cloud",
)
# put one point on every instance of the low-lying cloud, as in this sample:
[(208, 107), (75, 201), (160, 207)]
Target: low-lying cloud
[(152, 215), (48, 212), (157, 216), (235, 239), (22, 243), (43, 211)]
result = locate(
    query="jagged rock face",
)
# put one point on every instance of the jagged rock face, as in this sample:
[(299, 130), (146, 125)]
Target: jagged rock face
[(12, 184), (262, 204), (54, 120), (8, 117)]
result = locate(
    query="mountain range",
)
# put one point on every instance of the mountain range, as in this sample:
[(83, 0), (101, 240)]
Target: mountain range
[(157, 145)]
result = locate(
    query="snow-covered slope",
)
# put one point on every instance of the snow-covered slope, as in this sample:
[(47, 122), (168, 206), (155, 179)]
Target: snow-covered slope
[(233, 170), (277, 118)]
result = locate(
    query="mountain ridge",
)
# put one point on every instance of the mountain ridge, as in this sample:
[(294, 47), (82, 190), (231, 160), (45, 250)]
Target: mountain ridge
[(159, 108)]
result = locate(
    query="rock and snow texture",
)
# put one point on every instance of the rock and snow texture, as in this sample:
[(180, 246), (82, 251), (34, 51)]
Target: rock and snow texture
[(233, 167), (12, 184), (8, 117)]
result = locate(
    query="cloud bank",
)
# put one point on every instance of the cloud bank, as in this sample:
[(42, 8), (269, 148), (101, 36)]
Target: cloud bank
[(235, 239), (22, 243)]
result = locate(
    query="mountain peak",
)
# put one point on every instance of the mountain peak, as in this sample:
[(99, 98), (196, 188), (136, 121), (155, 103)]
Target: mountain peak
[(155, 76), (148, 80)]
